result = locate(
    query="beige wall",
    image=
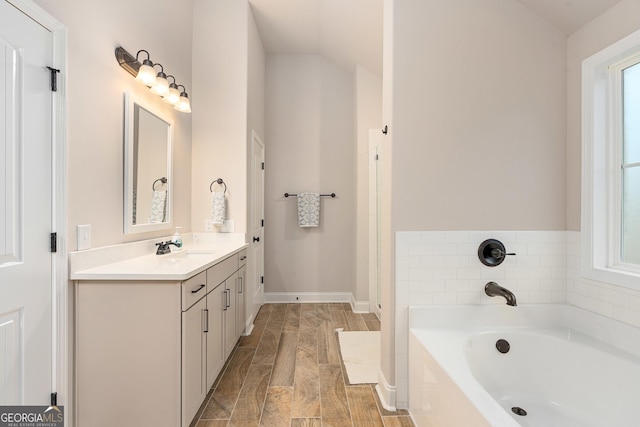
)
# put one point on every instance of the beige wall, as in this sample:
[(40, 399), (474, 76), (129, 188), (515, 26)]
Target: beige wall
[(95, 87), (368, 115), (479, 117), (220, 58), (620, 21), (310, 138), (256, 77)]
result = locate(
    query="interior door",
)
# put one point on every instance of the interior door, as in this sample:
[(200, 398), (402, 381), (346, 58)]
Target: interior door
[(255, 288), (26, 282)]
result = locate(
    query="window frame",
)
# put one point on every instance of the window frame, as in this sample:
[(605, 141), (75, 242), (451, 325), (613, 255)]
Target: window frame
[(602, 140)]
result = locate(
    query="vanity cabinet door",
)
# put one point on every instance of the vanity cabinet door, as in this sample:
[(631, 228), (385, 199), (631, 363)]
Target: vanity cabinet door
[(215, 346), (194, 388), (240, 302), (230, 336)]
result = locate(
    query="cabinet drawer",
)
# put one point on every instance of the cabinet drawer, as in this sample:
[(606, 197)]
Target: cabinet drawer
[(193, 289), (219, 272), (242, 258)]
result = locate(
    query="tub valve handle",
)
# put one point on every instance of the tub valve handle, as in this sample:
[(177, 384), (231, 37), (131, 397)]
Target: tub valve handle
[(498, 253), (492, 252)]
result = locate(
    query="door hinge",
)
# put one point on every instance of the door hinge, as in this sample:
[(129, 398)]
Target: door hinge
[(54, 242), (261, 279), (377, 157), (54, 78), (262, 165), (262, 222), (54, 399)]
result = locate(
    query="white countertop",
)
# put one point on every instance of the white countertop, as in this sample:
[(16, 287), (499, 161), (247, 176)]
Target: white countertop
[(178, 265)]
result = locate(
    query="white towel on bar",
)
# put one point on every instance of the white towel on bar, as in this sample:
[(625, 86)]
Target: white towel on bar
[(218, 206), (158, 207), (308, 209)]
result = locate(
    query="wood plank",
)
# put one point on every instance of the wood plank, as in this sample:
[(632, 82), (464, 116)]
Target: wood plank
[(292, 318), (373, 325), (285, 360), (251, 400), (306, 392), (339, 320), (333, 396), (328, 346), (212, 423), (277, 407), (355, 321), (322, 312), (333, 306), (253, 340), (398, 421), (308, 308), (266, 351), (364, 411), (306, 422), (226, 393)]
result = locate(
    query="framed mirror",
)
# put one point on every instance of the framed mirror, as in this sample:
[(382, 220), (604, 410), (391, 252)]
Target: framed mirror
[(148, 138)]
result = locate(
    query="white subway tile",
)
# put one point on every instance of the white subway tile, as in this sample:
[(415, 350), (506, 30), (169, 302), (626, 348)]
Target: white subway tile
[(432, 237), (457, 237), (456, 285), (444, 298)]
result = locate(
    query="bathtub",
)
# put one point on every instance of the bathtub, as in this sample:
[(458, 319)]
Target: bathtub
[(565, 367)]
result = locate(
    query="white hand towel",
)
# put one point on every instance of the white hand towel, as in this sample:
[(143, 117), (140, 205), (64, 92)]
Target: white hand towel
[(218, 207), (308, 209), (158, 207)]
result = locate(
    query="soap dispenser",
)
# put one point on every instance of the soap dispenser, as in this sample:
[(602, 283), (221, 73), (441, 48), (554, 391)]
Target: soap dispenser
[(177, 240)]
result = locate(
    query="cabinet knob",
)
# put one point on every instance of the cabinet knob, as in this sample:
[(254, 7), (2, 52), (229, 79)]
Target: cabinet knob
[(256, 238)]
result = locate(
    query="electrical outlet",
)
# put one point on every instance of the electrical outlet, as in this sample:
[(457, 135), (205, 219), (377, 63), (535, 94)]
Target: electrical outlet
[(208, 225), (84, 237)]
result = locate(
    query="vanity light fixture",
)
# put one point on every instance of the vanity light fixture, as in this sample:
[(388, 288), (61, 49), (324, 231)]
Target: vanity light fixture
[(183, 105), (145, 73)]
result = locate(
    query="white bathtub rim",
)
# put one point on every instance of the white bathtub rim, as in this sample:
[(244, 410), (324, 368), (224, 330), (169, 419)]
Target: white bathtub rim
[(617, 334), (558, 319)]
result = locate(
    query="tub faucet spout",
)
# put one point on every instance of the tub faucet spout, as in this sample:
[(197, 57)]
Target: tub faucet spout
[(493, 289)]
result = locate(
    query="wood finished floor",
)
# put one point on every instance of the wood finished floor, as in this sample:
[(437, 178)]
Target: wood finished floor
[(289, 373)]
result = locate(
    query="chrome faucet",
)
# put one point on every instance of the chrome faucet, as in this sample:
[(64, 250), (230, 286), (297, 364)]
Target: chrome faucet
[(493, 289), (165, 247)]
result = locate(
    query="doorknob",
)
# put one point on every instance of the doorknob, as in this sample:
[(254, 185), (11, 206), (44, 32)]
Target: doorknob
[(256, 239)]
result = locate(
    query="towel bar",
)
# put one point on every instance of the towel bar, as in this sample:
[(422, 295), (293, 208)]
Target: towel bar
[(332, 195)]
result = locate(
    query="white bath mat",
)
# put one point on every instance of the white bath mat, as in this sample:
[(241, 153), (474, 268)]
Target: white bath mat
[(361, 355)]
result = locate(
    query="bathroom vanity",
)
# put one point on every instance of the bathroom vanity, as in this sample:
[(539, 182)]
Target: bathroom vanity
[(152, 334)]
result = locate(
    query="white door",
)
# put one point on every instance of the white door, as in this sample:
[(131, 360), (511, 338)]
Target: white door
[(255, 288), (26, 283)]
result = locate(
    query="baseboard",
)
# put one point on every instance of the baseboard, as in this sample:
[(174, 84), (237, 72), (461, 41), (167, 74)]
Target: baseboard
[(359, 306), (386, 393), (316, 297), (248, 326)]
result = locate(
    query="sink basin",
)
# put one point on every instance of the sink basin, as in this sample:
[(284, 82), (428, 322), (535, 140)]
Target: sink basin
[(191, 254)]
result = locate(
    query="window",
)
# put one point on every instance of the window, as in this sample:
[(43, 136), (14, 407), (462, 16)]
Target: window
[(611, 164)]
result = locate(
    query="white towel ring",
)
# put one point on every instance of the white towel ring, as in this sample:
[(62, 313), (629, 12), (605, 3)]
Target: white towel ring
[(220, 182)]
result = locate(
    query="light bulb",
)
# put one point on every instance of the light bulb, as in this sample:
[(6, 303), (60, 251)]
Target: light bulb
[(173, 97), (161, 87), (146, 74), (183, 104)]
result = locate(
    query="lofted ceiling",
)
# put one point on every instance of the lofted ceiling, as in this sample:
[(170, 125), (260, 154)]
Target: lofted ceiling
[(349, 32)]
